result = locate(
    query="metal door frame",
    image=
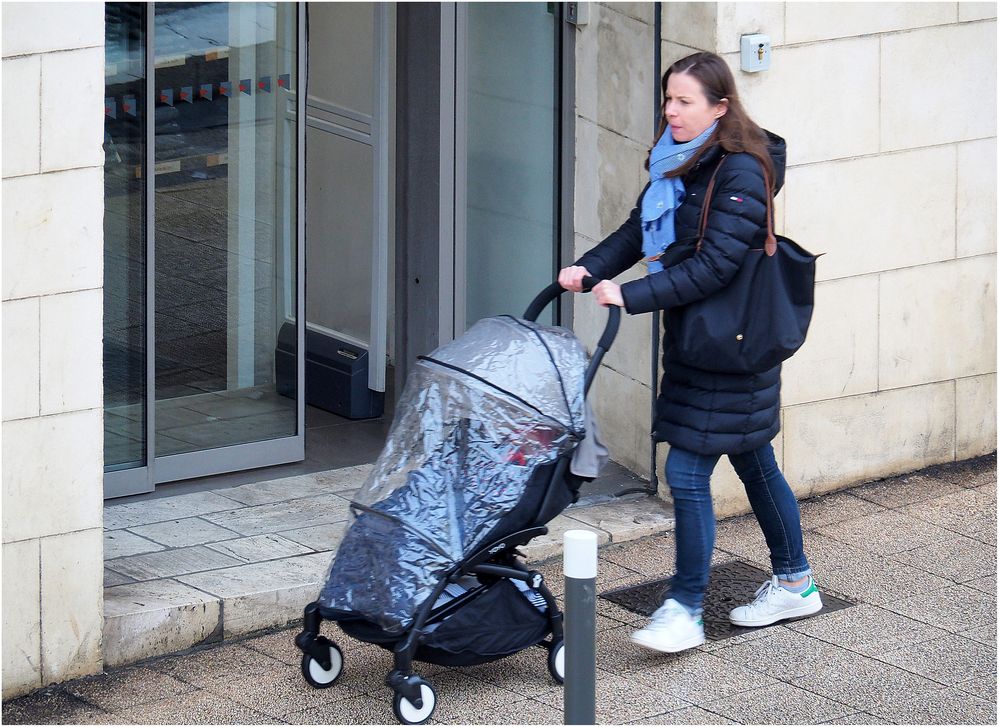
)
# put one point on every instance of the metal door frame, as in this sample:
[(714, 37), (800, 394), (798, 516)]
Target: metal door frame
[(159, 470)]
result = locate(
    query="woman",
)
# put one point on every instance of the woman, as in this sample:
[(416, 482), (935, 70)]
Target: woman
[(702, 414)]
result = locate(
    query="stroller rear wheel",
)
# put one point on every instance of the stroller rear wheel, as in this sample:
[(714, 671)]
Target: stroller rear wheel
[(556, 661), (316, 674), (408, 713)]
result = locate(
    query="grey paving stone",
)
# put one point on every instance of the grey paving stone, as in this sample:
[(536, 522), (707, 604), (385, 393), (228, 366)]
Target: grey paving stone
[(122, 689), (954, 609), (887, 532), (860, 576), (216, 666), (264, 493), (983, 686), (896, 492), (257, 548), (866, 684), (866, 629), (967, 473), (525, 673), (743, 538), (344, 709), (696, 677), (463, 699), (947, 660), (627, 521), (54, 705), (968, 512), (858, 718), (960, 559), (343, 479), (169, 563), (778, 704), (276, 517), (833, 508), (284, 692), (943, 706), (198, 707), (687, 715), (624, 698), (783, 654), (985, 634), (527, 711), (177, 507), (251, 578), (185, 532), (114, 579), (119, 543), (320, 538), (654, 556)]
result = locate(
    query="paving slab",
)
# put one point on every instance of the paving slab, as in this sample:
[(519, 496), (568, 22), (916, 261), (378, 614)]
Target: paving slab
[(55, 705), (622, 698), (969, 512), (867, 629), (687, 715), (115, 579), (834, 508), (200, 707), (943, 706), (127, 688), (983, 687), (183, 532), (896, 492), (967, 473), (778, 704), (949, 659), (265, 493), (280, 516), (627, 518), (319, 537), (858, 718), (258, 548), (167, 508), (169, 563), (217, 667), (961, 559), (463, 699), (118, 543), (868, 532), (781, 654), (954, 609)]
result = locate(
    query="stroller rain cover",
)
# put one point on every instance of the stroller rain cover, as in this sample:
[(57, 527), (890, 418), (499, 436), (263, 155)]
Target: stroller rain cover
[(477, 417)]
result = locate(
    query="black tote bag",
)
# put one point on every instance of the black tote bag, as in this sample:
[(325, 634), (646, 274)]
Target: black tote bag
[(761, 317)]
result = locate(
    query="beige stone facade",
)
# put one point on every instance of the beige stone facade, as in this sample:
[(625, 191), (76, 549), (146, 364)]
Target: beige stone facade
[(891, 173), (52, 309)]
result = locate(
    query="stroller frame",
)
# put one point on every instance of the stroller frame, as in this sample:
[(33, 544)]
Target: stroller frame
[(496, 560)]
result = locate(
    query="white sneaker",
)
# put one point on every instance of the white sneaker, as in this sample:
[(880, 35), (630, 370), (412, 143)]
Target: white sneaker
[(774, 603), (671, 629)]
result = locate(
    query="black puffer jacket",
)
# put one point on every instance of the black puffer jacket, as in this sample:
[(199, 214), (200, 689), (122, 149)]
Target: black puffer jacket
[(697, 410)]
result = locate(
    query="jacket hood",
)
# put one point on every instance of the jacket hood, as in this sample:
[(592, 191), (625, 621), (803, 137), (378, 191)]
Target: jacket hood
[(778, 155)]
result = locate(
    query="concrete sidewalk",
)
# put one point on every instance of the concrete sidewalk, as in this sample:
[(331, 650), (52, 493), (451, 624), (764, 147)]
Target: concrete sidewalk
[(917, 554)]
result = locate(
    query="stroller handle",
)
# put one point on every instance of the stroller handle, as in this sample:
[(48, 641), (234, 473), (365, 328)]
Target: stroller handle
[(554, 290)]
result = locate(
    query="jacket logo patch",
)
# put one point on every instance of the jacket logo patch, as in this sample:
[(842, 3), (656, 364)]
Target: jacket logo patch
[(736, 199)]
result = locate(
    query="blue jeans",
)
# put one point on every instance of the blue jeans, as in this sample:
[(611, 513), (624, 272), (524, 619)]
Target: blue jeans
[(689, 477)]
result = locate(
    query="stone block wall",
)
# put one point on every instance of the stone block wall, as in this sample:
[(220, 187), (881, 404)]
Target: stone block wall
[(52, 281), (891, 173)]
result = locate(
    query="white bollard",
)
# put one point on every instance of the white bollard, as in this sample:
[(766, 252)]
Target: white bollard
[(580, 567)]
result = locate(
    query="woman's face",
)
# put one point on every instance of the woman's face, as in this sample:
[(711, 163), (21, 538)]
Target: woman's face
[(687, 109)]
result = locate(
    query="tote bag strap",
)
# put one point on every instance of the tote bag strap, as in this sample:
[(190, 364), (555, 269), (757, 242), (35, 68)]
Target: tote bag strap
[(770, 246)]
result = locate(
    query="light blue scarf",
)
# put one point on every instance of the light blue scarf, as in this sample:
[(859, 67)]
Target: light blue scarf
[(665, 194)]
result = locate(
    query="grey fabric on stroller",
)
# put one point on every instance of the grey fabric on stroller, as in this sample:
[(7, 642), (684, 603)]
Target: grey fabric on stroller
[(476, 421)]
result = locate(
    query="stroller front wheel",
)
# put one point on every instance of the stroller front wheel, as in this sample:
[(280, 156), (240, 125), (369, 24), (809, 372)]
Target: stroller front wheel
[(556, 661), (408, 713), (319, 677)]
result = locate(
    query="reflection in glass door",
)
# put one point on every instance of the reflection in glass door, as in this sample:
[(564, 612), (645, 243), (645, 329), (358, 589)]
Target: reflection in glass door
[(222, 140)]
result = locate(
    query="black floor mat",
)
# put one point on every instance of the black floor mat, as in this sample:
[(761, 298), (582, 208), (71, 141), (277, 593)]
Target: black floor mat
[(731, 584)]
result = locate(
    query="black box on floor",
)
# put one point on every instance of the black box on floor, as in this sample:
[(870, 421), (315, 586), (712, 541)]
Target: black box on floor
[(336, 374)]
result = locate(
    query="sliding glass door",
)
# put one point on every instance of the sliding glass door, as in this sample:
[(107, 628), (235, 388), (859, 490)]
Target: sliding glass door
[(202, 241)]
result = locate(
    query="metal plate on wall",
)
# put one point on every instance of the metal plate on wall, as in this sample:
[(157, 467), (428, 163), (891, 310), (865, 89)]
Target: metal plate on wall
[(731, 584)]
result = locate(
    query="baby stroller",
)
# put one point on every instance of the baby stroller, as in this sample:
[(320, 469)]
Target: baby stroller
[(479, 457)]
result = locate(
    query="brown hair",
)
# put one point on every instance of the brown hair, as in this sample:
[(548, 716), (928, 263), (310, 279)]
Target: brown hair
[(736, 132)]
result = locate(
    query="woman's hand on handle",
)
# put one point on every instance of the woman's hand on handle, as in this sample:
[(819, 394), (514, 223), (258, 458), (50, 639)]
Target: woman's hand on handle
[(571, 278), (608, 293)]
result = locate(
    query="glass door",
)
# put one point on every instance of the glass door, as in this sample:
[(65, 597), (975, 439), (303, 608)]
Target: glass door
[(506, 157), (222, 298)]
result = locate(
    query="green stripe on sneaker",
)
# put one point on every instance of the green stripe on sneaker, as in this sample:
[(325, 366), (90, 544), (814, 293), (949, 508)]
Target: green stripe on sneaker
[(810, 590)]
